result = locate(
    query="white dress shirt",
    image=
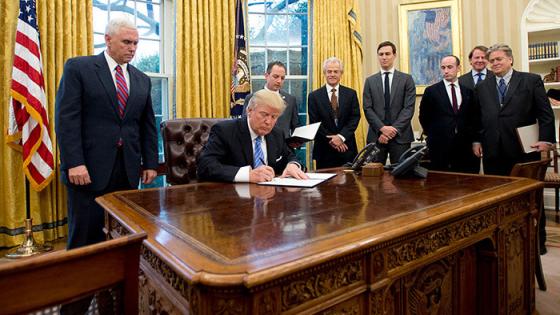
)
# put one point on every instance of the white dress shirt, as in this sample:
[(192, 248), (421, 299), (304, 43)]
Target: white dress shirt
[(112, 65), (457, 92), (391, 75)]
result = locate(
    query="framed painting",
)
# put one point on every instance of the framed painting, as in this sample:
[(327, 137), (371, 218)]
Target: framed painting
[(428, 31)]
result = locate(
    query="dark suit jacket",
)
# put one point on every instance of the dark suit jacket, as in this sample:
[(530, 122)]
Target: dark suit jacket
[(403, 98), (289, 120), (448, 133), (468, 81), (88, 125), (525, 103), (320, 110), (229, 148)]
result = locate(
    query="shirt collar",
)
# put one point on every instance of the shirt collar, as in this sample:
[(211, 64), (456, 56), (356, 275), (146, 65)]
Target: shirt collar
[(112, 63), (277, 92), (475, 73), (506, 77), (329, 87), (447, 83), (392, 71), (254, 135)]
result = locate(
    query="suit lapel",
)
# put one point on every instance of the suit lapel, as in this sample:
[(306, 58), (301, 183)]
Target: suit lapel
[(133, 89), (327, 101), (394, 86), (283, 96), (378, 86), (488, 86), (445, 98), (464, 97), (341, 100), (106, 78), (471, 80), (245, 140), (512, 86)]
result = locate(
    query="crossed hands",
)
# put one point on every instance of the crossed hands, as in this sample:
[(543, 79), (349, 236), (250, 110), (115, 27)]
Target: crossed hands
[(387, 133), (337, 143)]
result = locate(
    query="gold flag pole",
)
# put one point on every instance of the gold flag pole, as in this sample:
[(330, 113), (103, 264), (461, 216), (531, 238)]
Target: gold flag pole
[(29, 247)]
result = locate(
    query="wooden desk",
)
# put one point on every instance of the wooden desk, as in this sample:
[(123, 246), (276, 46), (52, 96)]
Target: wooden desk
[(448, 244)]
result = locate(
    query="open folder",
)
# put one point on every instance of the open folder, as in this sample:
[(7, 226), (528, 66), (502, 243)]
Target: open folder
[(303, 134), (314, 180), (528, 136)]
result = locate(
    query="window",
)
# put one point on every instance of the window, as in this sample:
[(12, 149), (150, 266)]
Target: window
[(278, 30), (152, 56)]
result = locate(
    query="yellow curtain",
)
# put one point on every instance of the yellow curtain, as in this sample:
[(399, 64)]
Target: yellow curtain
[(336, 33), (205, 33), (65, 28)]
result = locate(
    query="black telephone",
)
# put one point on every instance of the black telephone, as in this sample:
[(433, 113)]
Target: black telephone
[(409, 163), (366, 155)]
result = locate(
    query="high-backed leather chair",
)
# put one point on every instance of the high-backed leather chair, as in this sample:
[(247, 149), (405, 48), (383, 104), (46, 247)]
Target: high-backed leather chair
[(183, 140), (34, 283)]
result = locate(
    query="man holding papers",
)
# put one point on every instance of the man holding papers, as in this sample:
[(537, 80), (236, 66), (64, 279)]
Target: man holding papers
[(510, 100), (249, 149), (338, 110)]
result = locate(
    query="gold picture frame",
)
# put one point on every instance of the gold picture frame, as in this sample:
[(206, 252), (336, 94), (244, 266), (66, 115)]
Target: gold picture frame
[(430, 30)]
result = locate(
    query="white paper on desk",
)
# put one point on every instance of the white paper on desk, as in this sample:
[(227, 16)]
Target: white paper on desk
[(314, 180), (306, 132), (528, 136)]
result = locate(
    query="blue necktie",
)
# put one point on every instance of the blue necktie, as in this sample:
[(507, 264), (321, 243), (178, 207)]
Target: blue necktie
[(387, 96), (480, 74), (258, 155), (502, 88)]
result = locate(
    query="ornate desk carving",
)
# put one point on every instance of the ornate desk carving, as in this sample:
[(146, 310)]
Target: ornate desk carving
[(448, 244)]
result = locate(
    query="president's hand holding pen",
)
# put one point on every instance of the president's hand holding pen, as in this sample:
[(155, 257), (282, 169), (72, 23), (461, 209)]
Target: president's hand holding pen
[(263, 173)]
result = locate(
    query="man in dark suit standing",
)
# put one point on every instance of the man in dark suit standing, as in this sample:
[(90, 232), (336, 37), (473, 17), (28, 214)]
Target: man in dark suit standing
[(479, 72), (512, 99), (249, 149), (444, 110), (338, 110), (105, 127), (389, 98), (275, 76)]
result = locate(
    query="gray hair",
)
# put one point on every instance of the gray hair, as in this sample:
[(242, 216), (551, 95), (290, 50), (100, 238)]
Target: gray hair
[(266, 97), (333, 60), (118, 22), (500, 47)]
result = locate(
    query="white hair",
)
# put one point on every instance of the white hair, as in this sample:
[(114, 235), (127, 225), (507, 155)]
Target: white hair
[(333, 60), (118, 22)]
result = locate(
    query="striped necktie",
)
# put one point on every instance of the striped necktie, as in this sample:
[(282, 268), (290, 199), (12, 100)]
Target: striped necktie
[(122, 90), (258, 155)]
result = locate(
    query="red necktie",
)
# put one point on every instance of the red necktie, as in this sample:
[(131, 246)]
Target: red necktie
[(122, 90), (454, 99)]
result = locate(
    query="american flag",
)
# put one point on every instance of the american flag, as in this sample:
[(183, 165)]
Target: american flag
[(240, 76), (437, 21), (29, 124)]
